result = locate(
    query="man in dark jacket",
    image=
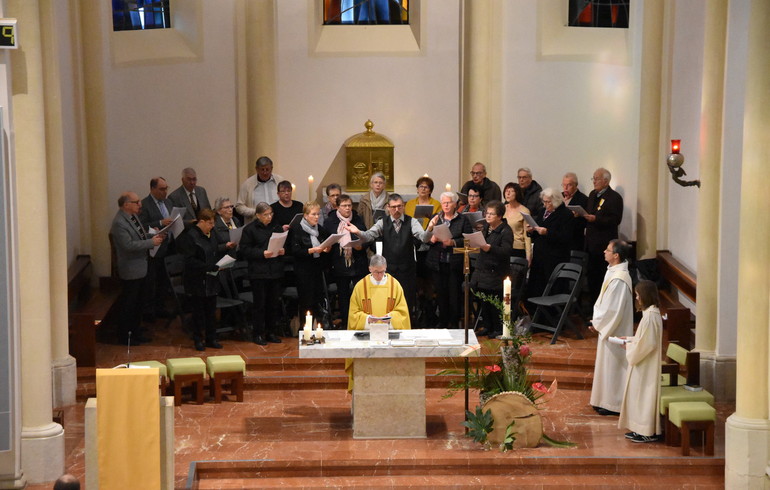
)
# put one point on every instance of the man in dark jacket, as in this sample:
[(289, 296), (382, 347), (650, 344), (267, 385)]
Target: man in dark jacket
[(605, 212), (573, 197), (487, 188), (531, 190)]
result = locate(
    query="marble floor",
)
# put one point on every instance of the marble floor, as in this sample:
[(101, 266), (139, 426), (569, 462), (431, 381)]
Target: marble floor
[(298, 433)]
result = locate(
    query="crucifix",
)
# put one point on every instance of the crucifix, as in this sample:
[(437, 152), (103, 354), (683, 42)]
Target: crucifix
[(466, 250)]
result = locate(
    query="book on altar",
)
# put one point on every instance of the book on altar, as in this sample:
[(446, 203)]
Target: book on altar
[(378, 332)]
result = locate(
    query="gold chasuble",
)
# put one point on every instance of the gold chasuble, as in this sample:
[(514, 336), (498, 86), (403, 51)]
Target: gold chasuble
[(376, 300)]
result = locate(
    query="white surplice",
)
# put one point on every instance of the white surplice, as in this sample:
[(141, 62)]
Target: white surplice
[(640, 409), (613, 317)]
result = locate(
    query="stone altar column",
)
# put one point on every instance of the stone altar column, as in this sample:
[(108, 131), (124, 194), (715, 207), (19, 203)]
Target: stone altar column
[(709, 201), (747, 432), (42, 440), (481, 87)]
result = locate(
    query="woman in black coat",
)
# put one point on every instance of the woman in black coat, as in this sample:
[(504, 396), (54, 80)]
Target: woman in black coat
[(199, 249), (265, 274), (445, 265), (493, 265), (349, 264), (310, 260), (551, 240)]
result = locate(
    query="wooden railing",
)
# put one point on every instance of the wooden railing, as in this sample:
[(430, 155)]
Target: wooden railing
[(679, 319)]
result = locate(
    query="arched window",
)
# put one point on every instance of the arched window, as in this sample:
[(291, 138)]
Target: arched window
[(130, 15), (599, 13), (350, 12)]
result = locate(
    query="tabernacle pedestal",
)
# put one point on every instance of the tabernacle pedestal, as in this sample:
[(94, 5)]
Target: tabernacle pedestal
[(389, 381)]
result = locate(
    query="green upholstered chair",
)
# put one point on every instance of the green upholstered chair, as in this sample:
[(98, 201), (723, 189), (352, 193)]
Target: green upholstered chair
[(226, 368), (186, 370), (684, 417)]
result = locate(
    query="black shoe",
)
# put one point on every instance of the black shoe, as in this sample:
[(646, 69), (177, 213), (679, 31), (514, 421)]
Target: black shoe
[(199, 345), (214, 344), (259, 340), (604, 411), (641, 438), (272, 338), (631, 435)]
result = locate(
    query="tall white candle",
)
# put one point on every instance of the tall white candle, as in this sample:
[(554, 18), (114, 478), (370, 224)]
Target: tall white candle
[(307, 332), (449, 187), (507, 307), (308, 320), (310, 187)]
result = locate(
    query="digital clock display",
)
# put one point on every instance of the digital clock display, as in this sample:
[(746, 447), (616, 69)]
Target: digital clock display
[(8, 34)]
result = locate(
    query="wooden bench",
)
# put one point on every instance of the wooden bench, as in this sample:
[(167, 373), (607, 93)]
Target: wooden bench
[(679, 322), (86, 310)]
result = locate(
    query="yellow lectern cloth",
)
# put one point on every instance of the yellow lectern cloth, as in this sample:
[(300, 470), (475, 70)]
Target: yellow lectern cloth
[(128, 428)]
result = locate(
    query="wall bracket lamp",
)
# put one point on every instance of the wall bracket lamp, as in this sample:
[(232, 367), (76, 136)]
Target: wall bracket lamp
[(675, 161)]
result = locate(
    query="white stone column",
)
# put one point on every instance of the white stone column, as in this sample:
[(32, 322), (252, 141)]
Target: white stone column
[(747, 433), (481, 87), (64, 367), (650, 161), (256, 83), (712, 105), (42, 440)]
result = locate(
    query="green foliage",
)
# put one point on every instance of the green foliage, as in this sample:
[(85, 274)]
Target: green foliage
[(555, 443), (509, 439), (479, 424)]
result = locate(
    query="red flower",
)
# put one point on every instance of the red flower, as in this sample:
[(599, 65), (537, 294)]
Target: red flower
[(539, 387), (524, 350), (493, 369)]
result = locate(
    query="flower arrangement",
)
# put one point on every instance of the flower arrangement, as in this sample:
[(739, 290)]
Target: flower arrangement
[(501, 369)]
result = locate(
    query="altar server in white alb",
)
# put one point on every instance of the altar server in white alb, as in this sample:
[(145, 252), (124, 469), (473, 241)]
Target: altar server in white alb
[(613, 317), (641, 398)]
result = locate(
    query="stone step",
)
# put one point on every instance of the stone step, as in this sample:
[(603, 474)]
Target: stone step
[(474, 469)]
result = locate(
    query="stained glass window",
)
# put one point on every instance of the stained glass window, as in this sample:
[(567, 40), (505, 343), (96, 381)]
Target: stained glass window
[(598, 13), (350, 12), (130, 15)]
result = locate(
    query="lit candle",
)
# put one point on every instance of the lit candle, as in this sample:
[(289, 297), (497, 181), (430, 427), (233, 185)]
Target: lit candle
[(449, 187), (310, 188), (308, 320), (507, 307), (675, 146), (307, 332), (506, 286), (293, 187), (425, 175), (319, 332)]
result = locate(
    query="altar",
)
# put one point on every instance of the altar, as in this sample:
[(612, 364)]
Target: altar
[(389, 378)]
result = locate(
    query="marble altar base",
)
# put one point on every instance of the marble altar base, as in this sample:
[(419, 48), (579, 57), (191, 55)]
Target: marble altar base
[(389, 398)]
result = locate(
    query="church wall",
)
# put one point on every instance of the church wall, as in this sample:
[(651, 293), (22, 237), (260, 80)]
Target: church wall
[(165, 115), (412, 98), (563, 112)]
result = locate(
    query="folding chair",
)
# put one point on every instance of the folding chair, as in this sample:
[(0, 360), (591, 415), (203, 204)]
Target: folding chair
[(519, 269), (174, 271), (555, 308), (581, 258)]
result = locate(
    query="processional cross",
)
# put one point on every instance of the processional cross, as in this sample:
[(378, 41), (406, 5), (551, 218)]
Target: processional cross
[(466, 250)]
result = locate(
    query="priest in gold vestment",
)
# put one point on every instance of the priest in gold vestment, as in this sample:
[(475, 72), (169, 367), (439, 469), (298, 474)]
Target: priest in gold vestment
[(378, 294)]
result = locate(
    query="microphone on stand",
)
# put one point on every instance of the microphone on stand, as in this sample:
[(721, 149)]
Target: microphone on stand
[(128, 353)]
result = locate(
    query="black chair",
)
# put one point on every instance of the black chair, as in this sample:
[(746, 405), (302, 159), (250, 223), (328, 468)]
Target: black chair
[(554, 307), (174, 271), (519, 269), (229, 300), (581, 258)]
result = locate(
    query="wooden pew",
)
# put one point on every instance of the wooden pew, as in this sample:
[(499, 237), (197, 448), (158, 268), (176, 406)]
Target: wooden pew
[(86, 309), (679, 321)]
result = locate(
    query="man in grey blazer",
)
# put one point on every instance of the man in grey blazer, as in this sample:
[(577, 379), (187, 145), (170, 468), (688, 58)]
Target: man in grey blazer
[(132, 245), (156, 213), (190, 195)]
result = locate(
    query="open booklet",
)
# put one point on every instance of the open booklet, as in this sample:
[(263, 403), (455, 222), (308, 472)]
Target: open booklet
[(475, 240), (423, 211), (578, 210), (529, 219), (162, 230), (277, 241)]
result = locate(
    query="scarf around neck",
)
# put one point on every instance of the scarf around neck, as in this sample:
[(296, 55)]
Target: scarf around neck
[(313, 232)]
